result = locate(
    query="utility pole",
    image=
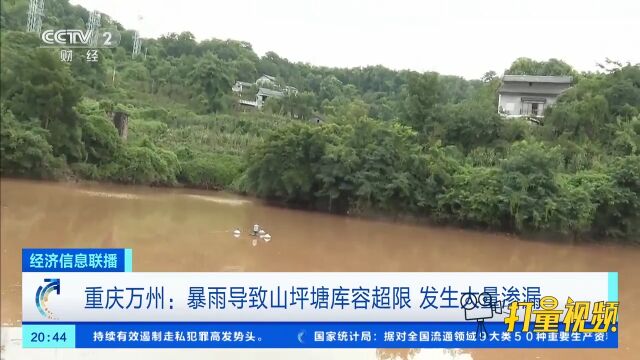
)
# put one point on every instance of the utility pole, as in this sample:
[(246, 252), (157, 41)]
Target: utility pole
[(93, 25), (34, 16), (136, 44)]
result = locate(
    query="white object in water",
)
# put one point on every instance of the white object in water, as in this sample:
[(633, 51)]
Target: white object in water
[(254, 242), (261, 232), (256, 228), (236, 233), (267, 238)]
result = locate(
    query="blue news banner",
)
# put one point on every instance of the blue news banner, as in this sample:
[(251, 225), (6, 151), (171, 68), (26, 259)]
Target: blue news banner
[(56, 312), (76, 260)]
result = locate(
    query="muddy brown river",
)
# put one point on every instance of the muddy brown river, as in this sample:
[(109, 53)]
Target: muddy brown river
[(189, 230)]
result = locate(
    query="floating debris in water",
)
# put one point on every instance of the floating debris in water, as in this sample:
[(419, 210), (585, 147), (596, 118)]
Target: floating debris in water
[(254, 242), (236, 233), (111, 195), (232, 202), (267, 237)]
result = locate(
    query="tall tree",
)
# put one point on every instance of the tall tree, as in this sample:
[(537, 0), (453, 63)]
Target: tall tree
[(527, 66), (213, 79), (422, 93)]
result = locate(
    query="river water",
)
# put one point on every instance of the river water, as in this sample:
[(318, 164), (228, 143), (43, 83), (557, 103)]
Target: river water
[(189, 230)]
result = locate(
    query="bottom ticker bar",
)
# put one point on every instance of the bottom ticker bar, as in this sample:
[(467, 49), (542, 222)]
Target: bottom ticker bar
[(313, 335)]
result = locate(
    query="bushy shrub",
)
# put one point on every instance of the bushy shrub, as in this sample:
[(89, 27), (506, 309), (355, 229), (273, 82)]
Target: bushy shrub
[(529, 184), (100, 138), (622, 213), (158, 114), (476, 198), (143, 165), (86, 171), (140, 129), (25, 151), (210, 171)]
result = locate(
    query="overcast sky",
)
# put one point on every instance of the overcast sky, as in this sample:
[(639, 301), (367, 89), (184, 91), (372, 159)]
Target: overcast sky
[(458, 37)]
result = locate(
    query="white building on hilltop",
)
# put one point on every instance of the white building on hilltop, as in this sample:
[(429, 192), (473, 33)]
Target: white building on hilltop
[(529, 96), (267, 87), (266, 80)]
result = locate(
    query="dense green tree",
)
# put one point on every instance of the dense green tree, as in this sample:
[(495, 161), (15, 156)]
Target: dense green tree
[(476, 198), (90, 74), (597, 107), (529, 184), (620, 216), (25, 152), (488, 76), (245, 70), (295, 105), (526, 66), (623, 90), (209, 171), (291, 180), (99, 136), (37, 86), (468, 124), (422, 94), (13, 14), (145, 164), (212, 78), (270, 64), (330, 88), (177, 45)]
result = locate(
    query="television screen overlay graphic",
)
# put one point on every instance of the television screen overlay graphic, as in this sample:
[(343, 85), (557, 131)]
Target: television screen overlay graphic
[(91, 298), (85, 42)]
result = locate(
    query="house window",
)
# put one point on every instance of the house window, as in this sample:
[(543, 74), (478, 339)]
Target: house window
[(533, 106), (534, 109)]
